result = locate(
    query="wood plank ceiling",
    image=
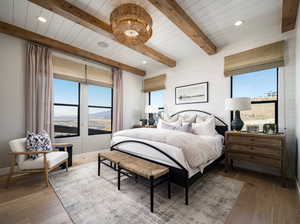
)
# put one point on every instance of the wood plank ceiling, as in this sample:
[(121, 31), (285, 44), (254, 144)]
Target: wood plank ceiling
[(214, 17)]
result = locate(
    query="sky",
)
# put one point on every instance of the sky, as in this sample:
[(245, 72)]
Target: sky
[(67, 92), (254, 84), (157, 98)]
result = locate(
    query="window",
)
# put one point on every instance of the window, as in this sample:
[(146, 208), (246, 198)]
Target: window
[(262, 87), (66, 108), (156, 98), (100, 110)]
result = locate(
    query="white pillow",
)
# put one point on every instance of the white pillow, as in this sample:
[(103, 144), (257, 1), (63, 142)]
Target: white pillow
[(207, 127), (185, 127), (168, 125), (188, 118), (170, 119), (200, 118)]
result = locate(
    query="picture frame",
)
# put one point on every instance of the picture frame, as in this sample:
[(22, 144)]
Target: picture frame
[(193, 93)]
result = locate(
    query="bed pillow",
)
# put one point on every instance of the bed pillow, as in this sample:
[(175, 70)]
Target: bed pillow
[(188, 118), (37, 142), (170, 119), (168, 125), (185, 127), (207, 127), (201, 118)]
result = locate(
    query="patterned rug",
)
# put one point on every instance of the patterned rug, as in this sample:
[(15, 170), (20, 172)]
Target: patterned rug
[(88, 198)]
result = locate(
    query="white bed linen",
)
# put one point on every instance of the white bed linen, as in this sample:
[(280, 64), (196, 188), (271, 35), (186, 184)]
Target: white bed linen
[(175, 152)]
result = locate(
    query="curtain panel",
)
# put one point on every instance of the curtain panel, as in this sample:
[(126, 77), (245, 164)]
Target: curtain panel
[(117, 99), (39, 77)]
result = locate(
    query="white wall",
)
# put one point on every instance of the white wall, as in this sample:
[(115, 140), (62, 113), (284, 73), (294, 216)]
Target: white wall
[(202, 68), (12, 89), (12, 101), (298, 91)]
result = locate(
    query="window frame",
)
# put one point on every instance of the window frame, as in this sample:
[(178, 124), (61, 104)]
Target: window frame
[(149, 99), (103, 107), (261, 101), (78, 113)]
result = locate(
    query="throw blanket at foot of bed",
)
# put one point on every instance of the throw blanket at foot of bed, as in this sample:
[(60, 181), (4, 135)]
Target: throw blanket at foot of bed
[(197, 149)]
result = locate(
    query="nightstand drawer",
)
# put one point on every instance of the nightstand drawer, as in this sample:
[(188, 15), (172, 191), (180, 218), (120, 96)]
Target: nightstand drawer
[(252, 149), (258, 141), (256, 159)]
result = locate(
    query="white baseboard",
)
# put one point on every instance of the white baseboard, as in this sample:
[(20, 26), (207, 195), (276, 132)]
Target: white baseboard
[(4, 171)]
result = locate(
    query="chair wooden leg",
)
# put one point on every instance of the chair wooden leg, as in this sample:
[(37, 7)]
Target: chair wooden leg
[(12, 170), (46, 178), (67, 166), (46, 170)]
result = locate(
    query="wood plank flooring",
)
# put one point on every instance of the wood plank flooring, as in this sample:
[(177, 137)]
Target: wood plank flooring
[(261, 201)]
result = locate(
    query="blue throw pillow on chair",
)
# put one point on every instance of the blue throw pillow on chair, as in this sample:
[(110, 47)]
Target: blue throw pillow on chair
[(37, 143)]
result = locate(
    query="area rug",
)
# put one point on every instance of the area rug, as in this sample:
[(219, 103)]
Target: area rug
[(88, 198)]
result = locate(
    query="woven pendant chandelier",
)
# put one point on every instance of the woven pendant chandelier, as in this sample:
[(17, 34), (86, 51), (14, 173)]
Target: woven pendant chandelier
[(131, 24)]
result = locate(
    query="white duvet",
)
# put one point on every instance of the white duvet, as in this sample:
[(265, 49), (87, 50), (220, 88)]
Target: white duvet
[(197, 150)]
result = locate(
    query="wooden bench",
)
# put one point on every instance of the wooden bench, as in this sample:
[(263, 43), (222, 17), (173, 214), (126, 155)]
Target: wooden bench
[(154, 172), (149, 170), (113, 157)]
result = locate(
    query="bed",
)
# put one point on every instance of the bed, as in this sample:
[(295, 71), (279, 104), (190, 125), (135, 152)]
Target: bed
[(173, 156)]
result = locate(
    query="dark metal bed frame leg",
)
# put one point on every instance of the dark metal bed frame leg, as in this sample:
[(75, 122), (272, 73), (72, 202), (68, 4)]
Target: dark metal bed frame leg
[(187, 191), (99, 164), (119, 177), (169, 186), (151, 193)]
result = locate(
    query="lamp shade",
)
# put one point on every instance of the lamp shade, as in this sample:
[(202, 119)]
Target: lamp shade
[(238, 103), (150, 109)]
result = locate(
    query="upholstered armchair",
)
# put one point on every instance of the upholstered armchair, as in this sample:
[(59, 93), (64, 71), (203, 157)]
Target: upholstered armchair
[(45, 163)]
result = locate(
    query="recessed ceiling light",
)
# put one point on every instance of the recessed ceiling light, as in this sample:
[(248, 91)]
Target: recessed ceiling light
[(144, 62), (238, 23), (42, 19), (102, 44)]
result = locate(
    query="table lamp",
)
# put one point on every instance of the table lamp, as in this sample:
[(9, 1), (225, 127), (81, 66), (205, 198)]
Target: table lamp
[(151, 110), (237, 104)]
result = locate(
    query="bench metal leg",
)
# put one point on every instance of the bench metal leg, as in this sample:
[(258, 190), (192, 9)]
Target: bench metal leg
[(187, 191), (169, 186), (119, 177), (99, 164), (151, 192)]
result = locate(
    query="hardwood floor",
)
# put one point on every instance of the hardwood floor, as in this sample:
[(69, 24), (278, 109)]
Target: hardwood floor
[(261, 201)]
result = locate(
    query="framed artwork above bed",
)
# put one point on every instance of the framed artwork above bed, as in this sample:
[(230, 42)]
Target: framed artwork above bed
[(193, 93)]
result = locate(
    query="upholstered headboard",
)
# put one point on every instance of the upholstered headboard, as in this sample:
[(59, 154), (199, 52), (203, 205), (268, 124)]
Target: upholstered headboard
[(221, 126)]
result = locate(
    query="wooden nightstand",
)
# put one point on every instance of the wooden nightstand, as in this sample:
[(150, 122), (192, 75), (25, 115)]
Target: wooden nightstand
[(268, 150), (146, 126)]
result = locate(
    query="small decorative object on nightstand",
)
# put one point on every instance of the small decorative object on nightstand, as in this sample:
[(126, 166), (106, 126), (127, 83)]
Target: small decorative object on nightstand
[(263, 149)]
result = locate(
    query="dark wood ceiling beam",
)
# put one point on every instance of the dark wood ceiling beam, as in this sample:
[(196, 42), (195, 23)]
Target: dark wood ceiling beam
[(179, 17), (289, 15), (28, 35), (77, 15)]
